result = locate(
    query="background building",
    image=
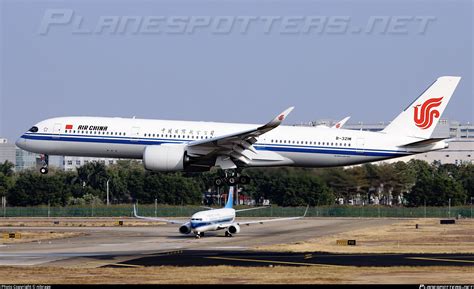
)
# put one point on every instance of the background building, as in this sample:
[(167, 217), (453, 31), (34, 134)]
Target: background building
[(26, 160), (7, 151), (71, 163)]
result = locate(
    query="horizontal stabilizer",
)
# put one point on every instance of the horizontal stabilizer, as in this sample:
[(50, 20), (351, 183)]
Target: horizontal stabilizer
[(423, 142)]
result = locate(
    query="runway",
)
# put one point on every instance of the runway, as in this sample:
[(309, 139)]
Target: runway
[(159, 245), (240, 258), (117, 244)]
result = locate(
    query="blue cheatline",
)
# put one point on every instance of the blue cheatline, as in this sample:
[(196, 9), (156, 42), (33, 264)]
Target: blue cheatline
[(268, 147)]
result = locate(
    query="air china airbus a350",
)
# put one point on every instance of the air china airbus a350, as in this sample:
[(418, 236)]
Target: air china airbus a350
[(166, 145)]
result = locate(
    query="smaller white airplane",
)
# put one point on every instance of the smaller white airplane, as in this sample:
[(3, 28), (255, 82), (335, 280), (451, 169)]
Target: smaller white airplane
[(215, 219), (338, 124)]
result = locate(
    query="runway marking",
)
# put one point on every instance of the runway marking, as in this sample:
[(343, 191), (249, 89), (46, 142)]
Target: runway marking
[(308, 256), (440, 259), (269, 261), (175, 252), (127, 265)]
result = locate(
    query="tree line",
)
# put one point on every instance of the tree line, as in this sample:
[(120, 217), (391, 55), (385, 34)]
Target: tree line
[(415, 183)]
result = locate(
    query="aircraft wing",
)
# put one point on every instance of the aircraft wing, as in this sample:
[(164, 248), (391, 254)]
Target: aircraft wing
[(250, 209), (156, 219), (235, 146), (274, 220)]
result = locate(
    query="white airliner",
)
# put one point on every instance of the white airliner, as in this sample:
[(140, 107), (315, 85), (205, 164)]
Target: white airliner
[(197, 146), (216, 219)]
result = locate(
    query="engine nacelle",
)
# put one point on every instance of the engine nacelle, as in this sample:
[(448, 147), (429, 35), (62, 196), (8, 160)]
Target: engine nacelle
[(185, 229), (234, 229), (164, 158)]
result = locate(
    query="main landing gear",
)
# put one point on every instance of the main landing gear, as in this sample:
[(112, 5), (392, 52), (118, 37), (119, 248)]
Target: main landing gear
[(199, 235), (45, 164), (232, 178), (227, 234)]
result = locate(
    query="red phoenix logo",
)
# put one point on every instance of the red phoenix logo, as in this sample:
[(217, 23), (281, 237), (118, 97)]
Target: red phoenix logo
[(281, 117), (424, 117)]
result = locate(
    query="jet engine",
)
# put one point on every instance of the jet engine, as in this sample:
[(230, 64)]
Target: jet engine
[(165, 158), (185, 229), (234, 229)]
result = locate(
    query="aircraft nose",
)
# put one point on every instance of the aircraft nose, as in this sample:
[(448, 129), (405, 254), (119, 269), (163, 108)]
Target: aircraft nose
[(21, 143)]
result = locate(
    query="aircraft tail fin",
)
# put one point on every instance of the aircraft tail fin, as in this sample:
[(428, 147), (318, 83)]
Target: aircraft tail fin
[(230, 198), (420, 118)]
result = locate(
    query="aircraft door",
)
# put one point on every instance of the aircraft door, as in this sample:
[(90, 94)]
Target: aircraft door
[(360, 145), (135, 133), (57, 130)]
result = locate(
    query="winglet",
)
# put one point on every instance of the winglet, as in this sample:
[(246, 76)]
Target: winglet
[(341, 122), (279, 118), (135, 211), (306, 211)]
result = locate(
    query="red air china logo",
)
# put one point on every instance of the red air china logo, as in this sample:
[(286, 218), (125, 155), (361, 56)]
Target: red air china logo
[(338, 125), (281, 117), (68, 126), (423, 116)]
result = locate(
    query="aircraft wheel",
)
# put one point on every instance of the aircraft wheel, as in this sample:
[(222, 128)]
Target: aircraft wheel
[(218, 182), (244, 180), (231, 181), (44, 170)]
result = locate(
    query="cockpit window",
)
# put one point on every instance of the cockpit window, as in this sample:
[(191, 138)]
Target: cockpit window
[(33, 129)]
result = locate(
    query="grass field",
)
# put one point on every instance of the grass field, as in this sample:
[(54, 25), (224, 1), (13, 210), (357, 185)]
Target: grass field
[(38, 236), (75, 222), (401, 237), (238, 275)]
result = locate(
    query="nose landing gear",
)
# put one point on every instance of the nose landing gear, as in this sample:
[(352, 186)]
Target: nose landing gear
[(199, 235), (45, 164)]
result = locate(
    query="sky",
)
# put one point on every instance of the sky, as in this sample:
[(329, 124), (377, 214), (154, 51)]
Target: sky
[(183, 60)]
